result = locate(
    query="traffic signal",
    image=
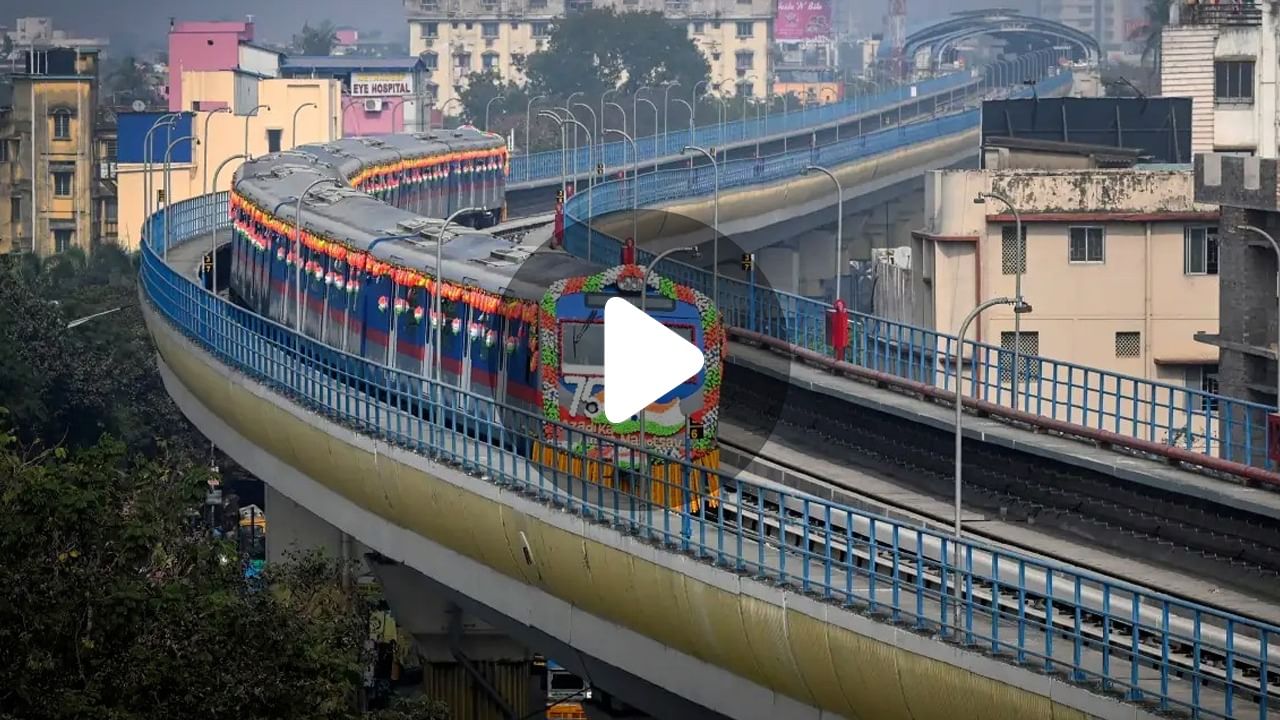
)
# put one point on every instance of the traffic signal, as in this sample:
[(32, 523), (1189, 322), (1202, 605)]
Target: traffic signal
[(748, 261), (697, 431), (600, 168), (208, 263), (560, 195)]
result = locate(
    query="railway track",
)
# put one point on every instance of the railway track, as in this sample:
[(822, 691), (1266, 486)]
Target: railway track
[(1234, 548)]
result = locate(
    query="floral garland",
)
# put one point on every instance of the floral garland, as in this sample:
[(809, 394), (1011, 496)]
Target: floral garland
[(261, 228), (714, 340), (389, 176)]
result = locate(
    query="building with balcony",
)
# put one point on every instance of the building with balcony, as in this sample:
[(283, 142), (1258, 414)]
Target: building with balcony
[(214, 46), (455, 38), (50, 156), (1223, 57), (379, 95)]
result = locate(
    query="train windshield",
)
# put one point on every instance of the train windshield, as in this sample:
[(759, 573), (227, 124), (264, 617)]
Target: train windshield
[(582, 347)]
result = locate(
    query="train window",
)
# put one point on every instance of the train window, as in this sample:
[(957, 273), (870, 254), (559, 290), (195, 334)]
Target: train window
[(685, 331), (582, 348)]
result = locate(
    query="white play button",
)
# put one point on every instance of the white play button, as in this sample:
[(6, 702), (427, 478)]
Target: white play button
[(643, 360)]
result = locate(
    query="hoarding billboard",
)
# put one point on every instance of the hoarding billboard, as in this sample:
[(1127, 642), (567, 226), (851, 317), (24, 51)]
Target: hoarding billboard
[(381, 84), (802, 20)]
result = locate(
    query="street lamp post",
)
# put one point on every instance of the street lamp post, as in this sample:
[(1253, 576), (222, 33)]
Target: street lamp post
[(590, 180), (528, 124), (656, 154), (600, 127), (666, 106), (165, 121), (564, 141), (715, 223), (635, 116), (981, 199), (213, 243), (248, 115), (574, 158), (204, 164), (168, 196), (293, 126), (297, 248), (590, 143), (644, 294), (435, 296), (1019, 307), (839, 220), (635, 179), (488, 106), (568, 105), (1276, 247)]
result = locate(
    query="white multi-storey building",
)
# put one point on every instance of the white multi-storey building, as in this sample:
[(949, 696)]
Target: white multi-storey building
[(458, 37), (1223, 57)]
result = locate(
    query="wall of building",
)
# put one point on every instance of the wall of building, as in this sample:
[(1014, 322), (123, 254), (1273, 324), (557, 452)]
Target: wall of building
[(1141, 283), (493, 35), (222, 135), (203, 46)]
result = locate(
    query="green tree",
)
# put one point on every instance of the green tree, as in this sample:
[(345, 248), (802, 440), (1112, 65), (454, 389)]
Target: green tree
[(129, 79), (318, 40), (114, 605), (1151, 32), (599, 49)]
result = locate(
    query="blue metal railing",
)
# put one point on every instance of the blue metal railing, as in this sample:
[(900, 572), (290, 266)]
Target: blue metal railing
[(1162, 413), (546, 164), (1106, 634)]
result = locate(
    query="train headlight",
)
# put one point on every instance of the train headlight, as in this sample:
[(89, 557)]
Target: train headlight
[(631, 284)]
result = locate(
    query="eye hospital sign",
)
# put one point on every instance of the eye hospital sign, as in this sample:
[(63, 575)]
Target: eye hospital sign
[(381, 84)]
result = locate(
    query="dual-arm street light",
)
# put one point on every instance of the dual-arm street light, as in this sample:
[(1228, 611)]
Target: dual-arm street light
[(715, 222), (635, 179), (666, 107), (656, 153), (204, 164), (981, 199), (297, 247), (564, 141), (248, 115), (488, 106), (148, 161), (439, 275), (839, 220), (213, 242), (168, 195), (528, 124), (591, 148)]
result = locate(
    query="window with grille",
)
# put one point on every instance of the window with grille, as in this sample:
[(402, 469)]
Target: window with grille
[(489, 29), (745, 29), (1200, 252), (746, 59), (62, 125), (1128, 344), (1028, 345), (1205, 379), (1233, 82), (1087, 244), (1013, 255), (462, 61), (430, 60), (273, 139), (541, 29), (430, 30), (62, 184), (489, 61)]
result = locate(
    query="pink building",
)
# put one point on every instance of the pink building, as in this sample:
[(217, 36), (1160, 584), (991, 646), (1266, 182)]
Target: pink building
[(379, 95), (346, 36), (201, 45)]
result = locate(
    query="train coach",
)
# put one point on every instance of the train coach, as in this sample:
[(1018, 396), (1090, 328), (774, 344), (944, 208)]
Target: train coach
[(360, 274)]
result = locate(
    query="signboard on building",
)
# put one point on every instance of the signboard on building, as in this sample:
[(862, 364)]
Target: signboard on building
[(381, 84), (802, 20)]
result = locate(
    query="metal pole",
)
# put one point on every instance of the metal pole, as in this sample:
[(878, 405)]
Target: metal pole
[(715, 224), (635, 180), (528, 124), (147, 162), (297, 248), (656, 153), (568, 103), (168, 198), (248, 115), (591, 156), (488, 106), (204, 164), (959, 433), (564, 147), (435, 296), (839, 220), (1017, 288), (666, 107), (644, 293), (213, 243), (1276, 247), (590, 182), (293, 128)]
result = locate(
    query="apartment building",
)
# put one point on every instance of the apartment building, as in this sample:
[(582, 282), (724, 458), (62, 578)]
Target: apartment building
[(51, 157), (455, 38)]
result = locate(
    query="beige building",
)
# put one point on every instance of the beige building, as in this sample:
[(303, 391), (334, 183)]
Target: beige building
[(221, 134), (1223, 57), (1109, 21), (1120, 267), (458, 37), (49, 156)]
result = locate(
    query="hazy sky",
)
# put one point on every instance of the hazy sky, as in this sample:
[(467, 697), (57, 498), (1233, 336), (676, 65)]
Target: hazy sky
[(134, 23)]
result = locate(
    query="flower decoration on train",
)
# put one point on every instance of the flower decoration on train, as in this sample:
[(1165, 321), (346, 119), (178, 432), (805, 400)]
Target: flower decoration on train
[(401, 306), (418, 313), (455, 326), (490, 337), (382, 303)]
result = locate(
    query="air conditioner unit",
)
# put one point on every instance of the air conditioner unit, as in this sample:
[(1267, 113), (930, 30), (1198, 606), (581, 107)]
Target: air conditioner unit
[(373, 105)]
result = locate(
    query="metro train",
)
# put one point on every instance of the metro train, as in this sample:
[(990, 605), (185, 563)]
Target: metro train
[(366, 263)]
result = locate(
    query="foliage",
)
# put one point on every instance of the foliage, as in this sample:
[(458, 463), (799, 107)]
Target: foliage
[(1156, 14), (69, 386), (318, 40), (598, 49), (508, 113), (114, 605), (128, 79)]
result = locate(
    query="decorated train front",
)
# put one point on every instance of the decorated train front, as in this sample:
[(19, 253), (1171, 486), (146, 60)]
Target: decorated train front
[(680, 425)]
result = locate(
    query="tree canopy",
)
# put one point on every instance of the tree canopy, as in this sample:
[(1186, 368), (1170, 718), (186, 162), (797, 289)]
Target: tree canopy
[(318, 40), (128, 79), (598, 50)]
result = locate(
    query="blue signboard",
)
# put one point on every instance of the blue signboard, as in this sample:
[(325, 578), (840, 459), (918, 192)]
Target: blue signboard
[(133, 126)]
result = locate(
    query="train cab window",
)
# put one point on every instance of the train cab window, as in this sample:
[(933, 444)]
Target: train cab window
[(582, 348)]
